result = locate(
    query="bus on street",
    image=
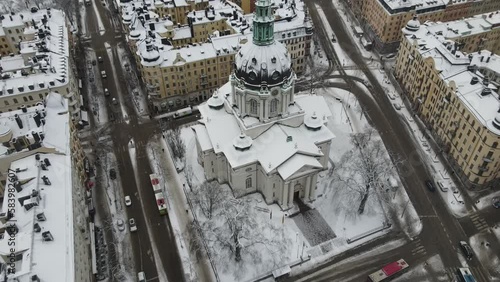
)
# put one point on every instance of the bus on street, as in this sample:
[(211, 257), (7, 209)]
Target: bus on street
[(159, 196), (388, 272)]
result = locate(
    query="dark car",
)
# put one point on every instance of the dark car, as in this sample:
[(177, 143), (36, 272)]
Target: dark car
[(112, 173), (466, 249), (430, 185), (111, 117), (496, 202)]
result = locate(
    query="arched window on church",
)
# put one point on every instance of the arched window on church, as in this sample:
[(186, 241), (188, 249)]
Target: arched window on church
[(253, 106), (274, 106), (248, 182)]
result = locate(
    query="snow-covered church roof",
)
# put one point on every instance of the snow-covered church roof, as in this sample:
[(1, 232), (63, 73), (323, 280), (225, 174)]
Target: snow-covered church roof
[(279, 147)]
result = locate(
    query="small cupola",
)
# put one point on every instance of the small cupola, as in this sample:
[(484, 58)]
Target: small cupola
[(313, 122), (215, 102), (242, 142)]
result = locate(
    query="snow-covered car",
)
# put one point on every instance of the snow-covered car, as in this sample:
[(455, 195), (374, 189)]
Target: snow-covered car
[(100, 59), (120, 224), (115, 102), (106, 92), (128, 202), (133, 227), (103, 74), (112, 173)]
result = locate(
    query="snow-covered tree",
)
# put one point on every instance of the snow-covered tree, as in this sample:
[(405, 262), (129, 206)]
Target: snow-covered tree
[(208, 197), (175, 142), (189, 175), (363, 170)]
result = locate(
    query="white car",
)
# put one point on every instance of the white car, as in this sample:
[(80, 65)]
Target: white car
[(115, 102), (128, 202), (133, 227), (103, 74), (106, 92)]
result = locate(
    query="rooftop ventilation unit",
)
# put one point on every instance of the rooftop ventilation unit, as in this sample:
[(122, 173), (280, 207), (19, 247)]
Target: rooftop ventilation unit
[(41, 217), (474, 80), (12, 229), (37, 227), (47, 236), (486, 92), (46, 180), (35, 278)]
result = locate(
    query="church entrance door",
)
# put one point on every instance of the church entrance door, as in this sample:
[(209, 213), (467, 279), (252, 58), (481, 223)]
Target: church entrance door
[(296, 195)]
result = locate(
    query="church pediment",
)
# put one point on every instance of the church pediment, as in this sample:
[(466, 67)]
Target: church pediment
[(298, 165)]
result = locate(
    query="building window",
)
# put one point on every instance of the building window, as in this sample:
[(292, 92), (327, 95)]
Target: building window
[(248, 182), (274, 106), (253, 106)]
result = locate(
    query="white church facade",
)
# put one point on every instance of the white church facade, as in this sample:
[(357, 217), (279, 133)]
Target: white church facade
[(255, 134)]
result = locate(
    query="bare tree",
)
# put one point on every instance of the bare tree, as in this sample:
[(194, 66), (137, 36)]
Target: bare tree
[(208, 196), (362, 170), (189, 174), (175, 142)]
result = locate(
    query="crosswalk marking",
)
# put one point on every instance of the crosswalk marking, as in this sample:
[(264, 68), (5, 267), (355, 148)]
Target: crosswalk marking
[(478, 222)]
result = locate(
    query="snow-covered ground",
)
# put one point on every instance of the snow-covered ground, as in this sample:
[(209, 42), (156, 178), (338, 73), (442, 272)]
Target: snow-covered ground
[(97, 102), (100, 24), (121, 100), (125, 270), (432, 270), (486, 254), (346, 119), (137, 95)]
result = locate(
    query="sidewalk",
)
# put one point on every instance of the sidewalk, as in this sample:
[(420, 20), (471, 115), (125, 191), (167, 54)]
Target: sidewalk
[(180, 218)]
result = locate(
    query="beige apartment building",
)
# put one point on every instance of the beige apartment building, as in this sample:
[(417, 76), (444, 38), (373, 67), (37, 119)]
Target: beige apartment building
[(37, 63), (383, 20), (183, 65), (456, 96)]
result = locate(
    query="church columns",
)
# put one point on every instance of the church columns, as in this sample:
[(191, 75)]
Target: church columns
[(284, 200), (261, 110), (284, 103), (312, 197), (266, 109), (242, 103), (290, 195), (308, 188)]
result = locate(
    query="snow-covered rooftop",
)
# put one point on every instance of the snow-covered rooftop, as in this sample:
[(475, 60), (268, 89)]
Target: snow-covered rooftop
[(464, 27), (24, 130), (421, 6), (43, 61), (43, 212), (289, 23), (275, 145), (476, 92)]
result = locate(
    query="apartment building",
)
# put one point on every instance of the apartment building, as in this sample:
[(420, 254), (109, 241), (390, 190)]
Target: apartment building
[(383, 20), (42, 66), (184, 64), (41, 168), (456, 95), (481, 32)]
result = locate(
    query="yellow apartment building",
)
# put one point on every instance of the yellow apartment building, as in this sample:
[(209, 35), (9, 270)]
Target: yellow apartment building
[(383, 20), (456, 96)]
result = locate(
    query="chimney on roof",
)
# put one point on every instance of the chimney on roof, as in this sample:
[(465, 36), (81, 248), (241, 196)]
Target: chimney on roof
[(474, 80), (10, 18), (19, 121), (486, 81), (24, 109), (47, 236), (35, 278), (488, 60), (35, 136), (482, 58)]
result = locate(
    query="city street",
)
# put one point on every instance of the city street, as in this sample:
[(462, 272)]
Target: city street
[(441, 231), (126, 126)]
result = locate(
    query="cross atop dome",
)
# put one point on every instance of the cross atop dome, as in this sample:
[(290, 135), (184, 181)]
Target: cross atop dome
[(263, 23)]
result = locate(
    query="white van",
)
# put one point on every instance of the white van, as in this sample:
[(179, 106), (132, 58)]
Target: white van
[(103, 74), (442, 186), (141, 276)]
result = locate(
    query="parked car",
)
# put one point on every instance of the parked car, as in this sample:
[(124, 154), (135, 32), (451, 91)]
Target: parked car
[(128, 202), (496, 202), (120, 224), (141, 277), (442, 186), (93, 62), (133, 227), (106, 92), (103, 74), (114, 101), (111, 117), (112, 173), (430, 185), (100, 59), (466, 249)]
